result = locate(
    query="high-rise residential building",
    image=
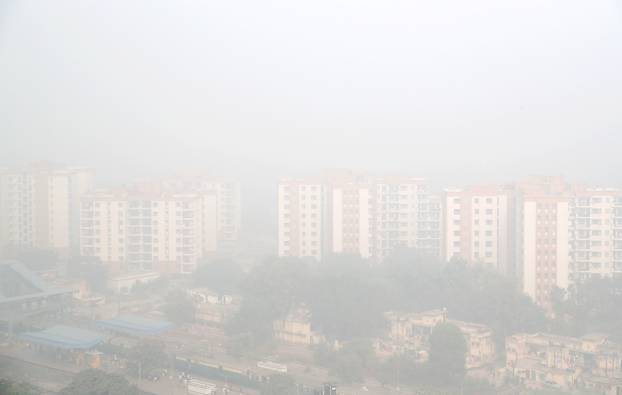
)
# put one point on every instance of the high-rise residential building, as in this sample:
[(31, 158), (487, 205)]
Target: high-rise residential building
[(146, 231), (543, 237), (221, 200), (160, 225), (405, 215), (479, 226), (348, 212), (40, 204), (595, 233), (301, 222), (355, 213), (543, 231)]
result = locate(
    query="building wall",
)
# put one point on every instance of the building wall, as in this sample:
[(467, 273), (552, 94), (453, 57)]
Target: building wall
[(478, 226), (595, 221), (145, 231), (38, 206), (301, 218), (357, 214)]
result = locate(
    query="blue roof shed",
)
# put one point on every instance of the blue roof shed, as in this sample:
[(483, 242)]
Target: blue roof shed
[(135, 325), (64, 337)]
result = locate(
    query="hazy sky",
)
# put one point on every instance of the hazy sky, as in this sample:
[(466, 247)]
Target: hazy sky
[(458, 90)]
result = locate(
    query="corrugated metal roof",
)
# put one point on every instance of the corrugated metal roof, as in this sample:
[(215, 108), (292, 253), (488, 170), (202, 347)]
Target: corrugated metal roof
[(64, 337), (135, 325)]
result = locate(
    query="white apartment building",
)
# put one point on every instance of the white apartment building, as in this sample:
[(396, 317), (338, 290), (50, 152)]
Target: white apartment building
[(478, 224), (595, 233), (165, 225), (544, 231), (349, 210), (130, 231), (354, 213), (39, 206), (221, 207), (543, 220), (301, 223), (405, 215)]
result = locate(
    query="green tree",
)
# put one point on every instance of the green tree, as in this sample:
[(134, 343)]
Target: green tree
[(146, 357), (179, 308), (269, 291), (9, 387), (351, 363), (97, 382), (447, 354), (591, 306), (221, 276)]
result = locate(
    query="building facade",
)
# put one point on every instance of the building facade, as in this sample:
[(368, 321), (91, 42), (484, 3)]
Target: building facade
[(159, 225), (478, 226), (591, 363), (40, 205), (595, 234), (355, 213), (409, 333)]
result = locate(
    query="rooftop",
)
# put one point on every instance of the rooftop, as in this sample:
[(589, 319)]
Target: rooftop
[(64, 337), (17, 283), (135, 325)]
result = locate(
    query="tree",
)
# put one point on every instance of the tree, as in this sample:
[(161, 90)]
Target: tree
[(9, 387), (221, 276), (351, 363), (347, 306), (97, 382), (179, 308), (269, 291), (279, 385), (91, 270), (146, 357), (591, 306), (447, 354)]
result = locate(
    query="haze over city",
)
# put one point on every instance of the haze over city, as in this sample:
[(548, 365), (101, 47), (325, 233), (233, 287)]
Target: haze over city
[(328, 197)]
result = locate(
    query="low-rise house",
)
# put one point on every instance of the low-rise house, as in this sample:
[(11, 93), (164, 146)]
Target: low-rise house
[(296, 328), (211, 307), (480, 343), (541, 360), (410, 333)]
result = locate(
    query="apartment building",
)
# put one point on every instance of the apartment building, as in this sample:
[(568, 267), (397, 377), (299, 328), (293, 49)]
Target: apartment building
[(301, 223), (591, 363), (221, 207), (355, 213), (349, 210), (40, 204), (543, 237), (405, 215), (595, 233), (166, 226), (478, 226), (130, 230)]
